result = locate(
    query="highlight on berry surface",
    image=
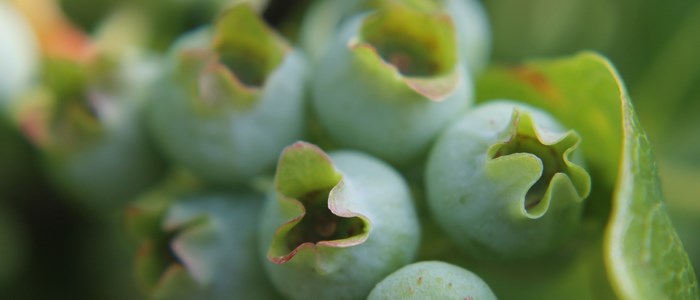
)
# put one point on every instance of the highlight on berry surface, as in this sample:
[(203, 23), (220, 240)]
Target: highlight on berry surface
[(471, 24)]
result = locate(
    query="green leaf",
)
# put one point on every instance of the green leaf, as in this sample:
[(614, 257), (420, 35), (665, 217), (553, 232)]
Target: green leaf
[(642, 254)]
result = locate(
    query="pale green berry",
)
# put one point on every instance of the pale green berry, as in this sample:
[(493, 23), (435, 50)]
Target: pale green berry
[(231, 101), (505, 182), (199, 245), (86, 120), (324, 18), (336, 224), (432, 280), (390, 82)]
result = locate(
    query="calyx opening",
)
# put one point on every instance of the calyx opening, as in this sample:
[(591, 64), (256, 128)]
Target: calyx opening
[(165, 251), (417, 43), (155, 258), (67, 110), (247, 66), (69, 82), (312, 195), (246, 46), (319, 223), (553, 155)]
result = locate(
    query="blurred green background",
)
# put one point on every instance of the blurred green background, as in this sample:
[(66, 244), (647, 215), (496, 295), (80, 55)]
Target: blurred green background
[(56, 252)]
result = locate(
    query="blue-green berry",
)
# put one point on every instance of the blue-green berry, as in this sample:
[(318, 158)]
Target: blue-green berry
[(432, 280), (335, 224), (506, 182), (231, 100), (390, 82)]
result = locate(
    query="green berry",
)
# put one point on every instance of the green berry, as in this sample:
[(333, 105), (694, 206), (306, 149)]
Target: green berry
[(505, 182), (199, 245), (231, 101), (390, 82), (86, 120), (323, 19), (335, 225), (432, 280)]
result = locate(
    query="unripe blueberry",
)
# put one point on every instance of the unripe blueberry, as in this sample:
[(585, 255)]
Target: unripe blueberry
[(86, 119), (323, 19), (432, 280), (390, 82), (232, 99), (505, 182), (335, 225), (198, 245)]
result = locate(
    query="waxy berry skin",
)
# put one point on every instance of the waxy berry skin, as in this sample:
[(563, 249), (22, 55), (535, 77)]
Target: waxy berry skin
[(374, 230), (432, 280), (86, 118), (505, 182), (232, 99), (198, 244), (323, 19), (391, 97)]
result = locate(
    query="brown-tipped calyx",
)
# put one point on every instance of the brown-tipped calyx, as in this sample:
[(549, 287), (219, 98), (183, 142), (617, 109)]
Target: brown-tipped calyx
[(417, 46), (312, 191)]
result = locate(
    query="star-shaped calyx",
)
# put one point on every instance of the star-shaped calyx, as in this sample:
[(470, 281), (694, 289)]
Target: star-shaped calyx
[(73, 104), (234, 66), (312, 193), (553, 152), (412, 47)]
